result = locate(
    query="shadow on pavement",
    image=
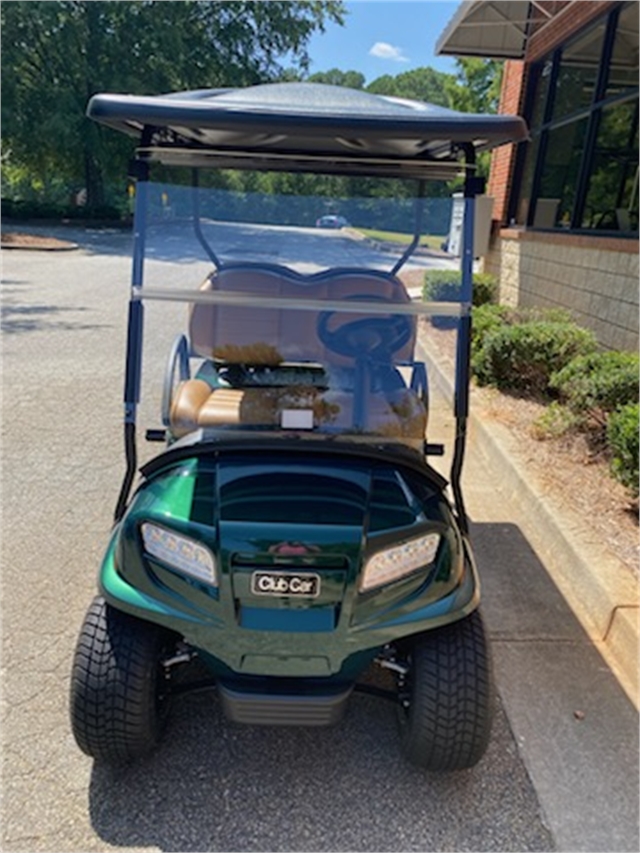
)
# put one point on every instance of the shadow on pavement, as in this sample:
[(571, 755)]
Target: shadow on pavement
[(576, 728), (34, 318), (212, 785), (215, 786)]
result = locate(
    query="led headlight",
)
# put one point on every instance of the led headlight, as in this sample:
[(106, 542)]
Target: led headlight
[(398, 561), (189, 557)]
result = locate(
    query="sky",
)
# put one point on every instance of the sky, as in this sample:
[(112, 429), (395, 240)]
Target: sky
[(384, 37)]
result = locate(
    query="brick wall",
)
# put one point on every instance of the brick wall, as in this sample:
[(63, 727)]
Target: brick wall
[(594, 278), (503, 158)]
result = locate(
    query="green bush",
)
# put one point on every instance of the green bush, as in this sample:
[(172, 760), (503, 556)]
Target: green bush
[(486, 319), (444, 286), (485, 289), (622, 437), (28, 210), (599, 382), (522, 357), (555, 420)]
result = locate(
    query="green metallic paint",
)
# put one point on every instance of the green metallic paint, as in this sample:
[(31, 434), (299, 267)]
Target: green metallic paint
[(126, 597), (240, 632)]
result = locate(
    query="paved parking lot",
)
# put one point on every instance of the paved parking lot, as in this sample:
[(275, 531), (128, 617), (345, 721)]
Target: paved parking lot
[(213, 786)]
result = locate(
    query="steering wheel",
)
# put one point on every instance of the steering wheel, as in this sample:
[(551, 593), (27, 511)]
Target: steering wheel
[(377, 337)]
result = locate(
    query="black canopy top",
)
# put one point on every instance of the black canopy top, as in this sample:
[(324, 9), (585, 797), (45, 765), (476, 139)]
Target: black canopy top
[(302, 126)]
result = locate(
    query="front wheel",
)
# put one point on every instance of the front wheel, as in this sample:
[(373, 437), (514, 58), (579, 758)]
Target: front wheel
[(447, 700), (119, 703)]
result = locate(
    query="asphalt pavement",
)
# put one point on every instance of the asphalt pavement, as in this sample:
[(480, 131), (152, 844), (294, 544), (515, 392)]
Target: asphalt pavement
[(561, 772)]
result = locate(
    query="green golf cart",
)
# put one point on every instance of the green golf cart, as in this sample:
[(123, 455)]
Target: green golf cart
[(291, 534)]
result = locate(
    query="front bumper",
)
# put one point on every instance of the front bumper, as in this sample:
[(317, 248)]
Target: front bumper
[(231, 649)]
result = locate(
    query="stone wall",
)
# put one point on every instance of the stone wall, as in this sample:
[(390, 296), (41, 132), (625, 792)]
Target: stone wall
[(595, 278)]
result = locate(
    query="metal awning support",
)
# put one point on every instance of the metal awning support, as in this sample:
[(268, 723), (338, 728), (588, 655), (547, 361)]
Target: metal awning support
[(496, 29)]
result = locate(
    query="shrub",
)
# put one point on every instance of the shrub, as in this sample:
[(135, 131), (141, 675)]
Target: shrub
[(486, 319), (556, 420), (485, 289), (622, 438), (444, 286), (523, 356), (598, 383), (27, 209)]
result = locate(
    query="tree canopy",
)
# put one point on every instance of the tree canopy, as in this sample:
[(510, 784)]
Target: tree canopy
[(478, 85), (335, 77), (421, 84), (55, 55), (475, 87)]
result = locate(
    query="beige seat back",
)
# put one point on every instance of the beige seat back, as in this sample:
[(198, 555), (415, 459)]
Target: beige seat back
[(269, 336), (245, 334)]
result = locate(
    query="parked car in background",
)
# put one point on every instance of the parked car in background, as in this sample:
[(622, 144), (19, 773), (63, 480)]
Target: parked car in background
[(331, 220)]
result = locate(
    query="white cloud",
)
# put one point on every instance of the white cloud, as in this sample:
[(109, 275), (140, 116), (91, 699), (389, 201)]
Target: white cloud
[(387, 51)]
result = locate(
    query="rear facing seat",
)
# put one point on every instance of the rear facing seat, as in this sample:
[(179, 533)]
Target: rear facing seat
[(270, 337)]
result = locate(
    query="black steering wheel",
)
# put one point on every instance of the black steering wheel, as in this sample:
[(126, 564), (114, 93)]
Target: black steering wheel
[(377, 337)]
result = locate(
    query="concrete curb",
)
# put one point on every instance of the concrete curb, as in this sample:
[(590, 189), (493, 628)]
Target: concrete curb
[(388, 246), (600, 590), (38, 248)]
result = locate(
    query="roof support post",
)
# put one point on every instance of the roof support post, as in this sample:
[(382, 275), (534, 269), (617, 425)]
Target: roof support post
[(472, 187), (133, 365)]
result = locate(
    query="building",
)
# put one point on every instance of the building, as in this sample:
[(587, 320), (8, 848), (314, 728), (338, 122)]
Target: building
[(565, 230)]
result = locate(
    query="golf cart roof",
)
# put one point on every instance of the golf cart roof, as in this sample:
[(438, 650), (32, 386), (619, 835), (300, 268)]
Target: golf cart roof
[(303, 127)]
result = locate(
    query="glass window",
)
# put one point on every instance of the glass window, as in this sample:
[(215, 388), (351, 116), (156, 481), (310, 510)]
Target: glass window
[(581, 168), (540, 97), (526, 182), (623, 72), (557, 194), (578, 73), (612, 196)]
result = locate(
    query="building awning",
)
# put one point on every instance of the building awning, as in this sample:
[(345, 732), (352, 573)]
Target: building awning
[(496, 29)]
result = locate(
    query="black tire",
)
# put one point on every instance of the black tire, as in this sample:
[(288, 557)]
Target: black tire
[(447, 704), (118, 709)]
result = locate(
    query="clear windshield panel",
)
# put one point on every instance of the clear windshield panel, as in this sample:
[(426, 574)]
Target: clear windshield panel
[(284, 312)]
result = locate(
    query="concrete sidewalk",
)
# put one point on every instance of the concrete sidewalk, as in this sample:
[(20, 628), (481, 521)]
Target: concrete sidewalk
[(564, 664)]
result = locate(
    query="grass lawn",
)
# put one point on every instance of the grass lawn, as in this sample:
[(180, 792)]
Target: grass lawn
[(432, 241)]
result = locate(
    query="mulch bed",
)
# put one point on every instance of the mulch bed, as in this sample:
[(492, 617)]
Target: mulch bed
[(18, 240), (568, 466)]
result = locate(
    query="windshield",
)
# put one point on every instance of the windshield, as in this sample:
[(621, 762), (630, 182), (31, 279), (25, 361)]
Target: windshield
[(290, 303)]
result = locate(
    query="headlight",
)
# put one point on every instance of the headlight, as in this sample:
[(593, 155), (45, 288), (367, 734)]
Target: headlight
[(179, 552), (398, 561)]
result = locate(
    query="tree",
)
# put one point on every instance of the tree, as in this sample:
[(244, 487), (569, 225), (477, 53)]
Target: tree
[(421, 84), (335, 77), (477, 85), (476, 89), (55, 55)]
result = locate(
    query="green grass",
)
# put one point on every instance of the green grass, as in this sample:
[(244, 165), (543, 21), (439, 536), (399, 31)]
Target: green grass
[(431, 241)]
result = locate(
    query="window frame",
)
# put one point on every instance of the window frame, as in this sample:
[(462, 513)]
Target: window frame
[(593, 112)]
